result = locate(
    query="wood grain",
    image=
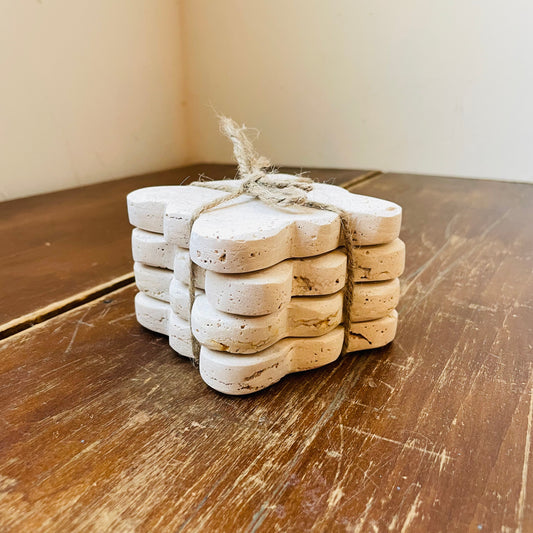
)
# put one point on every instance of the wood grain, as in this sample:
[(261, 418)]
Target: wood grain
[(103, 427), (57, 247)]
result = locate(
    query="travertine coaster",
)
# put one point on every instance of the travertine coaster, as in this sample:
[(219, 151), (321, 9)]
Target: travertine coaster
[(263, 291), (245, 234), (156, 315), (302, 317), (254, 293), (238, 374), (374, 263), (369, 300), (242, 374)]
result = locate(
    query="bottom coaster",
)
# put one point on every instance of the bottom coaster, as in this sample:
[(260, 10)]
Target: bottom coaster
[(243, 374)]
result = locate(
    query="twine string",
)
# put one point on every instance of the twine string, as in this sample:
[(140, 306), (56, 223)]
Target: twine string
[(260, 181)]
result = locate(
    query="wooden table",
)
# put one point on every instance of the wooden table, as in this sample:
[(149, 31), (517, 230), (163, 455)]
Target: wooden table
[(104, 427)]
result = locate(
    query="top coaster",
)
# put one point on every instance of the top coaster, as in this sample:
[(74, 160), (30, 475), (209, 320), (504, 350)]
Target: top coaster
[(245, 234)]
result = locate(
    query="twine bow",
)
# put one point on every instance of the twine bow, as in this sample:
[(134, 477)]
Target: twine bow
[(260, 181), (268, 187)]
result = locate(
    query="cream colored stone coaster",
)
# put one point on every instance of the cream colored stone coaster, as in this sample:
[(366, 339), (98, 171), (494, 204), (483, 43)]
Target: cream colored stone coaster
[(369, 300), (157, 316), (375, 263), (238, 374), (243, 374), (302, 317), (245, 234), (152, 249), (154, 282), (254, 293), (381, 262), (267, 290)]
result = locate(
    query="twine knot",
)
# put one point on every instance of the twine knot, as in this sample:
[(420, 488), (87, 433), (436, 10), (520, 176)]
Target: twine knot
[(278, 191), (259, 179)]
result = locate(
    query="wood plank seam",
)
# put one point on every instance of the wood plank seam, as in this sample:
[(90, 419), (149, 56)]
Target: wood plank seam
[(363, 178), (62, 306), (50, 311)]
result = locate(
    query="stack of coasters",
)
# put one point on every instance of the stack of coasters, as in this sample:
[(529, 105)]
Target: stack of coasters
[(269, 282)]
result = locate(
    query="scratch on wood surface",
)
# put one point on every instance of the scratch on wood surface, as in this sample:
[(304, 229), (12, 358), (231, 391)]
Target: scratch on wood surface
[(525, 467), (444, 458), (199, 506), (6, 483), (478, 307), (442, 455), (390, 387), (104, 312), (393, 526), (371, 471), (448, 229), (412, 514), (366, 473), (441, 275), (335, 497), (408, 282), (120, 318), (281, 485), (362, 519), (75, 333), (337, 493), (60, 368), (152, 390)]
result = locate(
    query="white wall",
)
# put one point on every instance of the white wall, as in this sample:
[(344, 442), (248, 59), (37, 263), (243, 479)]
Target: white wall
[(89, 90), (441, 86), (94, 90)]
